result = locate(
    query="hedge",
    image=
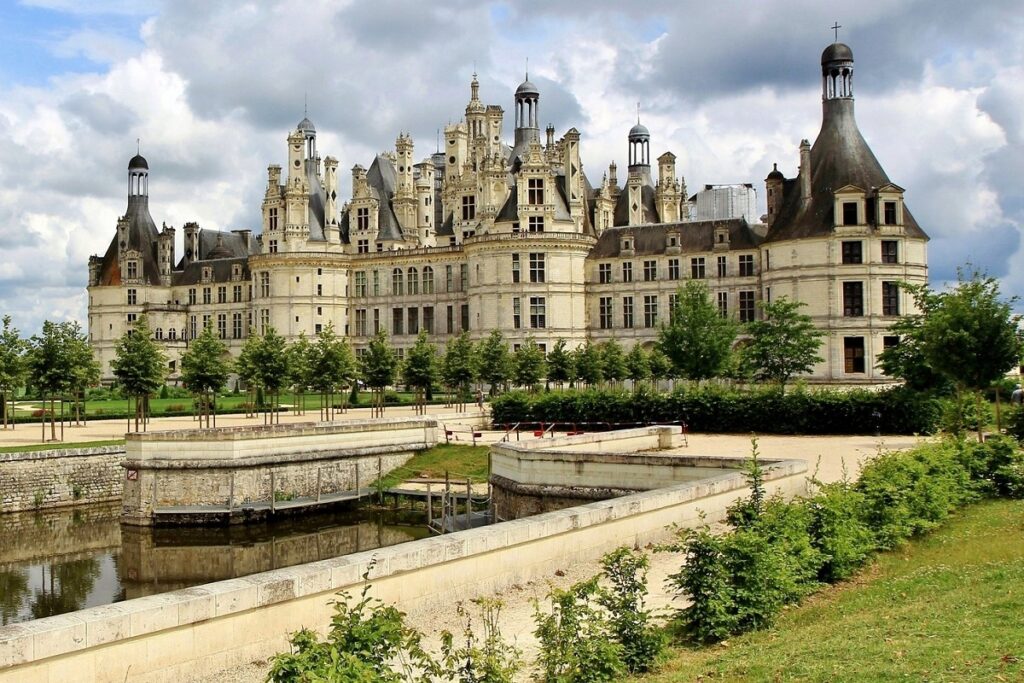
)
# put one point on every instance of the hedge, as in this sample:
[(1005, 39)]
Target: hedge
[(717, 409)]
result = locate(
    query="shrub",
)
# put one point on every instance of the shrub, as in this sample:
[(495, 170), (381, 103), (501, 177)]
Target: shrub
[(175, 408), (958, 414), (838, 531), (997, 465), (489, 659), (704, 580), (629, 620)]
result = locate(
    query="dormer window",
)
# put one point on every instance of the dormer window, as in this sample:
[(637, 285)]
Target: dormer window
[(132, 270), (673, 241), (889, 213), (207, 274), (363, 219), (272, 218), (535, 191), (850, 213), (236, 272)]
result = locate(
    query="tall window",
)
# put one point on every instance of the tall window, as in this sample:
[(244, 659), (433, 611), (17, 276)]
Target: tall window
[(853, 299), (397, 282), (673, 299), (746, 306), (464, 277), (264, 283), (428, 280), (428, 319), (363, 219), (517, 313), (414, 320), (537, 267), (133, 297), (604, 273), (723, 304), (207, 295), (272, 246), (650, 310), (697, 268), (376, 320), (236, 294), (605, 312), (363, 246), (890, 251), (222, 295), (468, 207), (133, 270), (222, 325), (853, 354), (192, 296), (849, 213), (627, 311), (272, 218), (464, 312), (890, 298), (673, 269), (515, 268), (361, 283), (413, 281), (538, 312), (853, 252), (535, 223), (451, 319), (193, 327), (723, 266), (746, 265), (889, 213), (396, 321), (449, 279), (627, 272), (236, 326), (650, 271), (535, 191), (360, 322), (376, 283)]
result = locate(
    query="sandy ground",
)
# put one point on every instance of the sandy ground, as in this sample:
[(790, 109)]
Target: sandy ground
[(830, 455)]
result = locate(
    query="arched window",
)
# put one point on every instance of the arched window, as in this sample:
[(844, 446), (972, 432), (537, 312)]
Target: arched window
[(396, 282), (172, 333), (159, 333), (428, 280), (414, 281)]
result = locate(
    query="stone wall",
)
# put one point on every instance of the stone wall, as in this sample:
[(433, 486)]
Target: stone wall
[(67, 532), (65, 476)]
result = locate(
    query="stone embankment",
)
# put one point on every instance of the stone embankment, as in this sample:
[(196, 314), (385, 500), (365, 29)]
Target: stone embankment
[(37, 480)]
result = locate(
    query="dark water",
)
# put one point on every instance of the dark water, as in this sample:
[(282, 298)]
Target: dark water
[(57, 562)]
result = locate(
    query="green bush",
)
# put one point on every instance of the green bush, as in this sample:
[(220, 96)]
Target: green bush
[(487, 659), (958, 414), (997, 465), (838, 530), (705, 580), (629, 619)]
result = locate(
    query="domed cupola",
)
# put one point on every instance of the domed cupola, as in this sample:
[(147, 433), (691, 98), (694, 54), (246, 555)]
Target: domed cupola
[(527, 114), (837, 72), (639, 147)]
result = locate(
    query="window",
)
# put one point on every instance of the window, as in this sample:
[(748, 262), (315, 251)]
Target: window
[(236, 326), (159, 333), (222, 295), (627, 311), (428, 319), (265, 284), (361, 283), (376, 283), (360, 322), (517, 313), (464, 277), (650, 310), (853, 299), (133, 297), (465, 316), (206, 321), (428, 280), (272, 218), (264, 320), (627, 272), (318, 328), (890, 251), (850, 214), (192, 296), (853, 252), (413, 318), (236, 294), (451, 319), (673, 269), (449, 280), (132, 317), (889, 213), (376, 320), (172, 334), (535, 223), (319, 289), (272, 246), (890, 298), (604, 273), (538, 312), (192, 327), (363, 219), (133, 270), (535, 191), (723, 304), (605, 312), (673, 300), (746, 265), (853, 354), (536, 267), (515, 267), (413, 280), (723, 266), (396, 321), (397, 280), (697, 271), (650, 271), (746, 306), (889, 342), (363, 246), (468, 207), (207, 295), (222, 325)]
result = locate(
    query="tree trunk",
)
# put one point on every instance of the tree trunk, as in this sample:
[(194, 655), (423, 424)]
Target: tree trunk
[(53, 422)]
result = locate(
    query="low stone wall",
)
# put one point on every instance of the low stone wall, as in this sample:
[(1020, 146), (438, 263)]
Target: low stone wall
[(37, 480), (189, 633)]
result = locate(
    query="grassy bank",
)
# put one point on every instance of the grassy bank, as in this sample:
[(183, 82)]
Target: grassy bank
[(945, 607), (459, 461), (60, 445)]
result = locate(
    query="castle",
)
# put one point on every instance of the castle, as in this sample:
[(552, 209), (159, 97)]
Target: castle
[(489, 236)]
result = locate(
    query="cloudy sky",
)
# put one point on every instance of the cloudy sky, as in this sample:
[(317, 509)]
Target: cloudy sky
[(212, 89)]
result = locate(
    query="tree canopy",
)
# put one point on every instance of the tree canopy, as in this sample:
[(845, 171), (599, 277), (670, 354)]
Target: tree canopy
[(613, 361), (13, 364), (205, 367), (420, 368), (697, 338), (139, 364), (560, 364), (494, 361), (782, 343), (528, 364)]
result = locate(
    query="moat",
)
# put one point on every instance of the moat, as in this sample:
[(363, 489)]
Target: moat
[(61, 561)]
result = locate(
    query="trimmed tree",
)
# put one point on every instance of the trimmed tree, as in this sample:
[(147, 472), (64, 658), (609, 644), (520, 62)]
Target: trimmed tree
[(420, 369), (458, 368), (560, 364), (528, 365), (638, 367), (299, 371), (660, 366), (205, 367), (613, 362), (588, 361), (13, 367), (378, 368), (50, 370), (495, 362), (331, 366), (782, 343), (85, 369), (697, 339), (248, 374), (139, 366), (272, 371)]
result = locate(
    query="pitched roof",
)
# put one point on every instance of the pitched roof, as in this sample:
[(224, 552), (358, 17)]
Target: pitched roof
[(652, 239), (141, 236)]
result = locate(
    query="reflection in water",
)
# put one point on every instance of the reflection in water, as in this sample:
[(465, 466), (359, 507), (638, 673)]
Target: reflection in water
[(57, 562)]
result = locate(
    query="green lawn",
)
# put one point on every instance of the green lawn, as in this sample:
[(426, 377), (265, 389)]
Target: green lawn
[(55, 445), (459, 461), (947, 607)]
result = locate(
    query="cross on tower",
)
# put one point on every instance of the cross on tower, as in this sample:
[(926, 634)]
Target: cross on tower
[(835, 27)]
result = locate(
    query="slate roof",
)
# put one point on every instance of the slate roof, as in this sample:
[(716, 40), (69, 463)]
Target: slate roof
[(141, 236), (650, 215), (652, 239)]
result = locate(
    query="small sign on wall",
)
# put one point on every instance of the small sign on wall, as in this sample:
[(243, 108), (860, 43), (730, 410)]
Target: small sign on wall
[(132, 475)]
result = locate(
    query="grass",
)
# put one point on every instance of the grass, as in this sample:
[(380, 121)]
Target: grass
[(459, 461), (946, 607), (55, 445)]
